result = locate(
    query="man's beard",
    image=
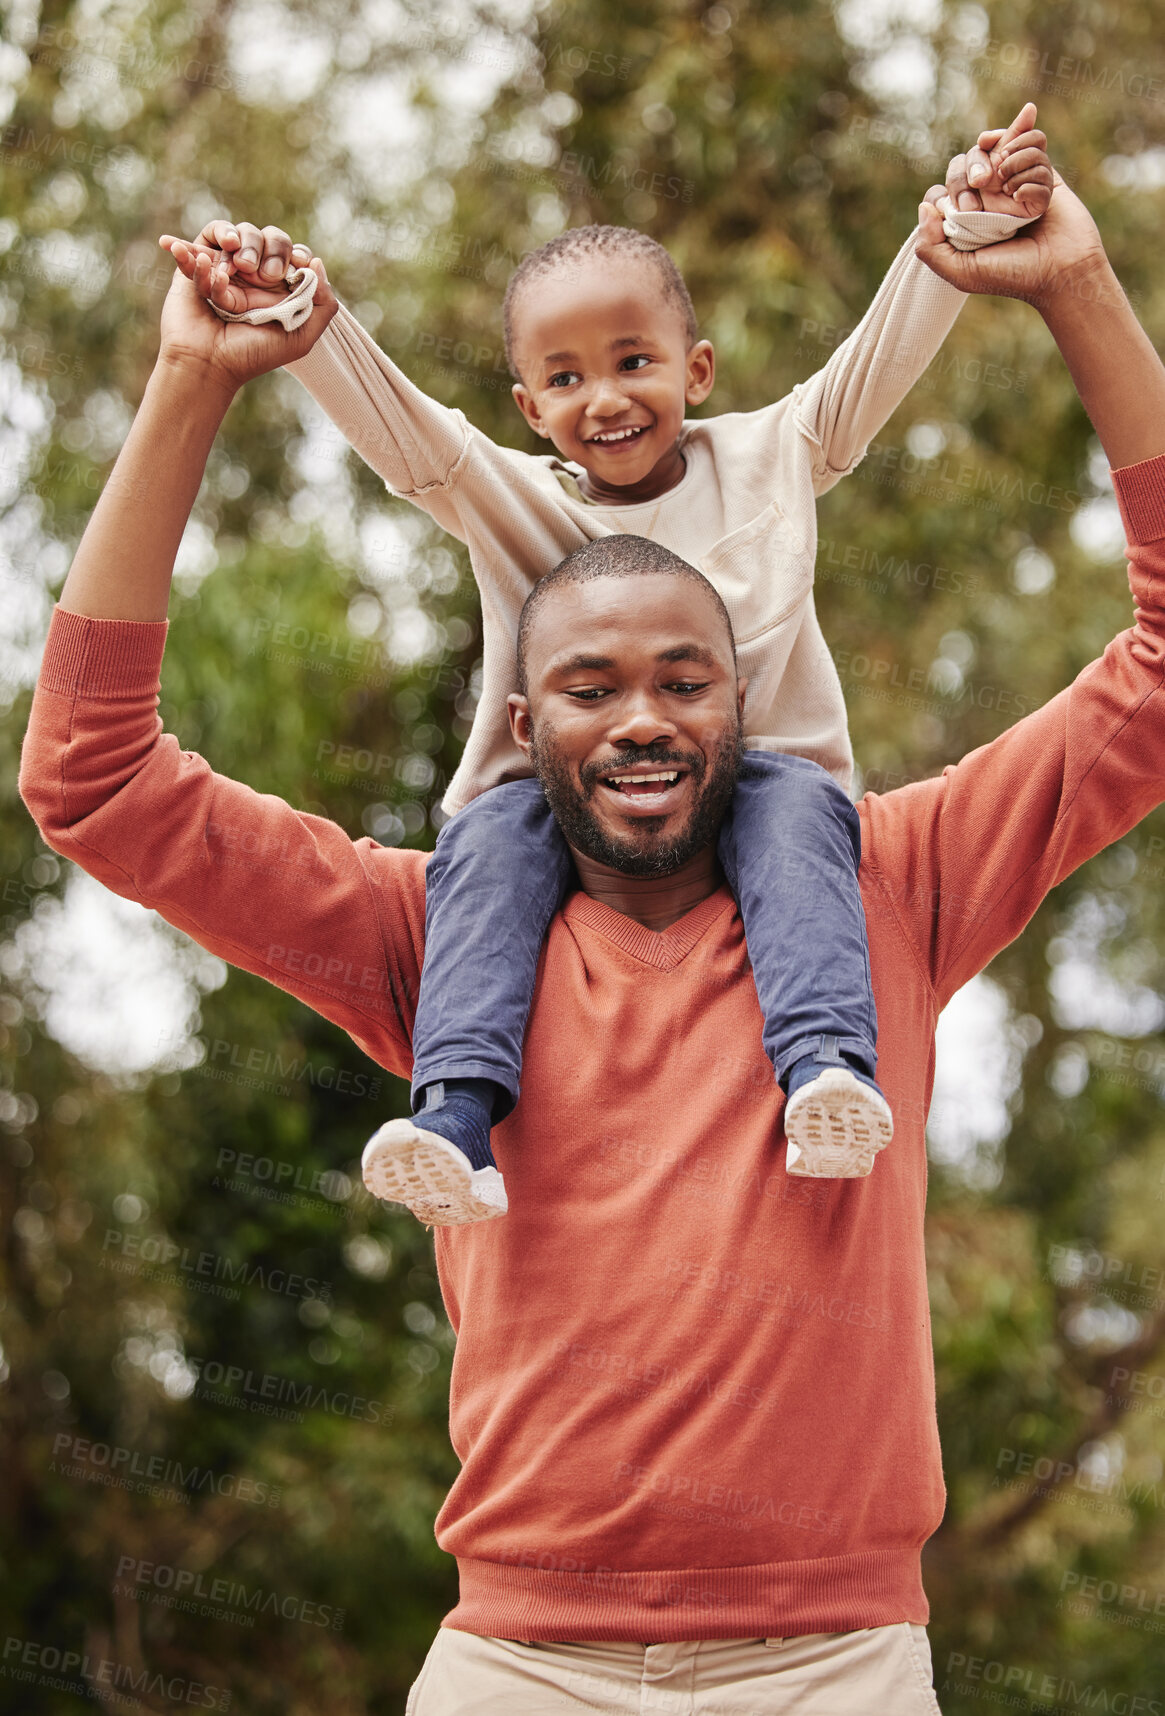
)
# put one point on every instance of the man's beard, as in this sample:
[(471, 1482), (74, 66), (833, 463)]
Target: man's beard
[(638, 853)]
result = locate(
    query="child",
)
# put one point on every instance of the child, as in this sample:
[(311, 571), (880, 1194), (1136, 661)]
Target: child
[(601, 335)]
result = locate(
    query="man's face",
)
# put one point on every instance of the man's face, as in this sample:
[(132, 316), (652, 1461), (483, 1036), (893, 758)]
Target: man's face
[(606, 369), (633, 718)]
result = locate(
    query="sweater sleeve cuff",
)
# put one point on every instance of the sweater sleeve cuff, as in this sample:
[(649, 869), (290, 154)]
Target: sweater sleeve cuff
[(1140, 493), (102, 658)]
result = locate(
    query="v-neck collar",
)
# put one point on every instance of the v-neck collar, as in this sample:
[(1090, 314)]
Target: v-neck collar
[(663, 949)]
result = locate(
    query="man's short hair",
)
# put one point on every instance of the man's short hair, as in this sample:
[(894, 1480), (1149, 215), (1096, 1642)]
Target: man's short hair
[(615, 556), (586, 241)]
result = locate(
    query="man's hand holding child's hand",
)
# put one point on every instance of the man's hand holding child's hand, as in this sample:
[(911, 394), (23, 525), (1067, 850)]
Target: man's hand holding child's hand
[(242, 267), (1008, 172)]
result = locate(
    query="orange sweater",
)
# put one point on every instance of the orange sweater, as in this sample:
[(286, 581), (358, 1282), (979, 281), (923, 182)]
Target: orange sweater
[(692, 1397)]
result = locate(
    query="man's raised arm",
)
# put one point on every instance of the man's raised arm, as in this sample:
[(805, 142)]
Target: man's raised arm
[(286, 895), (843, 406), (964, 861)]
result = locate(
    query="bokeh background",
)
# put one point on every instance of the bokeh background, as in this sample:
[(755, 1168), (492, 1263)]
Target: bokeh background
[(274, 1452)]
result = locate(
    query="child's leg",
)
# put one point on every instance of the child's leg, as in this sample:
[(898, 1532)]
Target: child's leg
[(497, 877), (790, 848)]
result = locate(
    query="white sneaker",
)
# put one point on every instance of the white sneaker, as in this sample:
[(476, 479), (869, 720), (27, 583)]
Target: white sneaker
[(407, 1165), (835, 1126)]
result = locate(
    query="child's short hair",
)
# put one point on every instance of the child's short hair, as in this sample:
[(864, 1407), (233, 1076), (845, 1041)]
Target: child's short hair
[(580, 241)]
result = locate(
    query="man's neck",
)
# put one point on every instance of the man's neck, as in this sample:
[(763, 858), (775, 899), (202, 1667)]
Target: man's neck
[(656, 902)]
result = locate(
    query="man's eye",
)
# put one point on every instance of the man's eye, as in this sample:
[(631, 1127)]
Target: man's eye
[(688, 687), (588, 693), (563, 378)]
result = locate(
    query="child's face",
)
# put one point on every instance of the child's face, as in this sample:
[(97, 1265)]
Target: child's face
[(607, 374)]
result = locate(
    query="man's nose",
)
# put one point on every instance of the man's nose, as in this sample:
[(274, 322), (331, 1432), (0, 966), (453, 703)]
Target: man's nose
[(641, 721)]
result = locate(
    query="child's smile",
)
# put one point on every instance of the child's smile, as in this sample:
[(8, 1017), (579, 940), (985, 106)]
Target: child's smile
[(610, 438)]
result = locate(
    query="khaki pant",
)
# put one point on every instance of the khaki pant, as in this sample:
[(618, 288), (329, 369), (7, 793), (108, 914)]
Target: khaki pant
[(880, 1671)]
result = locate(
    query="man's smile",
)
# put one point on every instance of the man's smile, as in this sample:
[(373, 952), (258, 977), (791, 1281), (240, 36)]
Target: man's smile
[(655, 791)]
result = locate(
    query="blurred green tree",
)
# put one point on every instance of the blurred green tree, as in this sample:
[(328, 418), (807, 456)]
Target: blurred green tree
[(324, 648)]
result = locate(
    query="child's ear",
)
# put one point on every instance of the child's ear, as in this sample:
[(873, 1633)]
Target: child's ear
[(701, 372), (524, 400)]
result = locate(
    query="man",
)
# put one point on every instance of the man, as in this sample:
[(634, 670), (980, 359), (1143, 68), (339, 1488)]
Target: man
[(695, 1410)]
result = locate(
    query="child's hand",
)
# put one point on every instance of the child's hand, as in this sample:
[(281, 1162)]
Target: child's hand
[(1007, 172), (241, 267)]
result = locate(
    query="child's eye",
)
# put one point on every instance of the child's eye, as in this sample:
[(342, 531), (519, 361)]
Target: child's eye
[(635, 361), (563, 378)]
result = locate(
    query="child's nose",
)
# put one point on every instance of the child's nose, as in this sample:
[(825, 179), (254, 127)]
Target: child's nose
[(607, 398)]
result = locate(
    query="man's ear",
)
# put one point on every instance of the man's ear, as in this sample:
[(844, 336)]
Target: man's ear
[(521, 726), (741, 688), (524, 400), (700, 372)]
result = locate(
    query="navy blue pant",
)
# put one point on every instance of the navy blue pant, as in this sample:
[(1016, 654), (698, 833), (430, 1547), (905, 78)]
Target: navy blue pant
[(789, 847)]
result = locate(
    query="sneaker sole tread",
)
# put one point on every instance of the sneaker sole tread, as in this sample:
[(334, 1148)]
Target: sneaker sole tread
[(403, 1164), (837, 1131)]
